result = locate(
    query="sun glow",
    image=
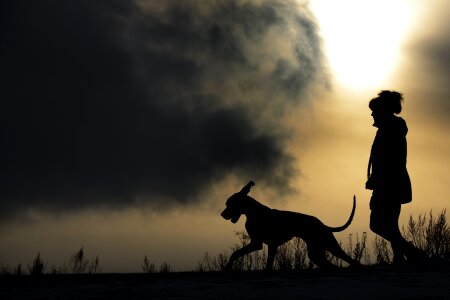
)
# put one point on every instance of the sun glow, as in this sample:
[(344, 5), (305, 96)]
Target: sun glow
[(363, 39)]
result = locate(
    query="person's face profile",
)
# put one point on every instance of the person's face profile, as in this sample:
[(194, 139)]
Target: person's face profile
[(378, 116)]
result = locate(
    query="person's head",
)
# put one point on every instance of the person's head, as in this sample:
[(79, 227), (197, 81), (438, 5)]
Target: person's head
[(386, 105)]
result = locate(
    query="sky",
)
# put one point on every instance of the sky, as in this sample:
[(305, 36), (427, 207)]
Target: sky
[(125, 126)]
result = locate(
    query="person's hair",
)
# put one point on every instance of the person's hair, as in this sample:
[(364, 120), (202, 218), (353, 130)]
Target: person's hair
[(387, 101)]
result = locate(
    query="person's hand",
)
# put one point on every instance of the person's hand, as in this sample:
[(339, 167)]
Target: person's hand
[(369, 183)]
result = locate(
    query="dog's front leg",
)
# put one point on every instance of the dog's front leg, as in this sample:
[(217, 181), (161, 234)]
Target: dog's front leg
[(271, 256), (253, 246)]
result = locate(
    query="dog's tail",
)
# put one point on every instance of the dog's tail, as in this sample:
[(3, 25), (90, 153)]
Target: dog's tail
[(343, 227)]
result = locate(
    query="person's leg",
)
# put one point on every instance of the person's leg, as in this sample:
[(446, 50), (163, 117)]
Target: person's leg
[(384, 222), (377, 223), (398, 243), (401, 247), (381, 216)]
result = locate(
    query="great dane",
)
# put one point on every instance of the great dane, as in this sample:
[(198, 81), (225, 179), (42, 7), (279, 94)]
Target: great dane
[(275, 227)]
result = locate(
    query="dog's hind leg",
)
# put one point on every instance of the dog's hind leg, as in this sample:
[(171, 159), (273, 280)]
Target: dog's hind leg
[(253, 246), (335, 249), (317, 255)]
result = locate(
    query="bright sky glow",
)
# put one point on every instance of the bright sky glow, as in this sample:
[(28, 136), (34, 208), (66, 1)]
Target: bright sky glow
[(363, 39)]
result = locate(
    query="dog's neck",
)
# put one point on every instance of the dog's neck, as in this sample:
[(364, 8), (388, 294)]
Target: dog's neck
[(253, 207)]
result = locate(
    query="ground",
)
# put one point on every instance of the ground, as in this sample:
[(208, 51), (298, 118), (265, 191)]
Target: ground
[(377, 283)]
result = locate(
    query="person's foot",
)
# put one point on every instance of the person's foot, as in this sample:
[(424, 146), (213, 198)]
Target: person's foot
[(399, 258)]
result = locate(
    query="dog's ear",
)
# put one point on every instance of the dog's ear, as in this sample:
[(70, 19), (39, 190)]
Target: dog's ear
[(246, 189)]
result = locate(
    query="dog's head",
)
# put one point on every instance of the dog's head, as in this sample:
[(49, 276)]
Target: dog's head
[(234, 204)]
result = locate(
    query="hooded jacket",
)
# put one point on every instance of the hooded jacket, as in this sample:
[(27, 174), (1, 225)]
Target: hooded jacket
[(389, 176)]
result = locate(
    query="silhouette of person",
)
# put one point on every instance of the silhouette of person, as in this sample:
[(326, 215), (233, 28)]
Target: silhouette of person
[(388, 177)]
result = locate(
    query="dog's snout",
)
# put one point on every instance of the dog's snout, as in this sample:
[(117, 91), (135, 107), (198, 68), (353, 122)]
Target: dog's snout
[(232, 209), (225, 214), (229, 214)]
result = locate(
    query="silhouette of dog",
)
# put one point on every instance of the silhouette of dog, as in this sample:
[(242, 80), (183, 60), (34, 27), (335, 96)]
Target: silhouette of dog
[(274, 228)]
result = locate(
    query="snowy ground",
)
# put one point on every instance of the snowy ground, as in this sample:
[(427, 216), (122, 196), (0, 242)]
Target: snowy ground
[(379, 283)]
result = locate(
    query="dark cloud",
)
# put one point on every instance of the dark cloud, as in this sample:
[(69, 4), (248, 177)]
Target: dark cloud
[(116, 102)]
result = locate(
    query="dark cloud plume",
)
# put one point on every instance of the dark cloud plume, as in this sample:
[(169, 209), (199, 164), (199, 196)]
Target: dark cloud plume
[(113, 103)]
